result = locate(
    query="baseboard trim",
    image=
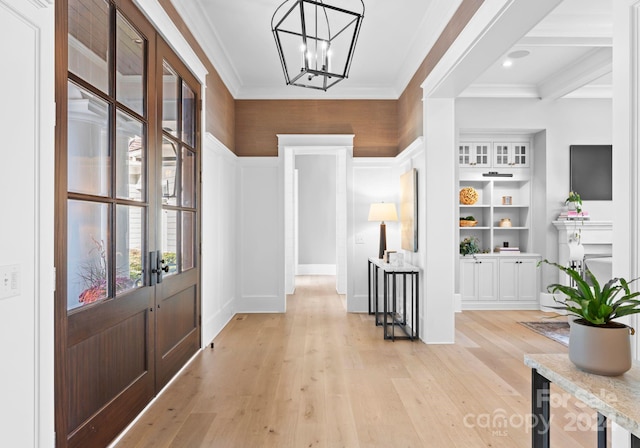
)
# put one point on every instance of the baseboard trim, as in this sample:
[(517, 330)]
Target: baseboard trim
[(316, 269)]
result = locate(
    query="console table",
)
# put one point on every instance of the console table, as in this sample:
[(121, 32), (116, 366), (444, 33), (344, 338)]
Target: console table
[(614, 398), (398, 310)]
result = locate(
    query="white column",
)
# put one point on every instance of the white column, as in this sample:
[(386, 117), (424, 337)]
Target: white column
[(626, 100), (440, 247)]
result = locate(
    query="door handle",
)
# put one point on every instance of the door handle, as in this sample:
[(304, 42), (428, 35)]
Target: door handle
[(155, 262)]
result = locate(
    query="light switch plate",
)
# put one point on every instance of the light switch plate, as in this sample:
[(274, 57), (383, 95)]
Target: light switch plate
[(9, 281), (359, 238)]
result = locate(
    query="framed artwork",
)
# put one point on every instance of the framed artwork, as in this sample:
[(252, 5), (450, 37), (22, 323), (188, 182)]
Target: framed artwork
[(409, 210)]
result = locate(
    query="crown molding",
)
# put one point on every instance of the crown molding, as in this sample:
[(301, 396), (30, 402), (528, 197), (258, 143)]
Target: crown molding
[(165, 26), (298, 93), (196, 19)]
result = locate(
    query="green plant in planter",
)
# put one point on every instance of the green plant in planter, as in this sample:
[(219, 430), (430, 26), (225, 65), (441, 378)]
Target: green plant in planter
[(469, 246), (596, 305), (574, 198), (467, 218)]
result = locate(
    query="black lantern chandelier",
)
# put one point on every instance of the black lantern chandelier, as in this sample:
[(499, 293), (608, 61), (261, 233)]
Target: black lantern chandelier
[(315, 42)]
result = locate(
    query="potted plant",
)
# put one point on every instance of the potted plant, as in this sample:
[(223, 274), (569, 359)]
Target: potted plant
[(574, 201), (469, 246), (597, 344)]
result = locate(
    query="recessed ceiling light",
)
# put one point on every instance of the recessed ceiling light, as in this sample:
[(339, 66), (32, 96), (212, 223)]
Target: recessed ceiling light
[(507, 63), (519, 54)]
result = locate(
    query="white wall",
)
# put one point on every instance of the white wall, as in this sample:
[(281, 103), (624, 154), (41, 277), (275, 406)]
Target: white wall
[(566, 122), (26, 237), (316, 210), (219, 236), (260, 237), (374, 180)]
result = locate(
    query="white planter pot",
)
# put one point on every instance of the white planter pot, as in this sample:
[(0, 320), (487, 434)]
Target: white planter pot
[(600, 350)]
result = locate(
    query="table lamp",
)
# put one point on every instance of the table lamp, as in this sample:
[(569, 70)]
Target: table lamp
[(382, 211)]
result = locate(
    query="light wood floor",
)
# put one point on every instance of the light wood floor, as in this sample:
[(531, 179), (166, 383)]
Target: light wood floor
[(320, 377)]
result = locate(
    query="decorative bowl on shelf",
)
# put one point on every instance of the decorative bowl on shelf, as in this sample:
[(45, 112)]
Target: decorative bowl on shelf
[(504, 222), (467, 223), (468, 196)]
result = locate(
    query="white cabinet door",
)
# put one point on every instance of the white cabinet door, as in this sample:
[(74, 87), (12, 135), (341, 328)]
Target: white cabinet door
[(487, 271), (464, 154), (501, 154), (482, 153), (474, 154), (468, 279), (478, 279), (520, 155), (514, 155), (509, 279), (527, 280), (518, 279)]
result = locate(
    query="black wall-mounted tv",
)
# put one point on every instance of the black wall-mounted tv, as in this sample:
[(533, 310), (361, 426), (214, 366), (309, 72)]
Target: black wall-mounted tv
[(591, 171)]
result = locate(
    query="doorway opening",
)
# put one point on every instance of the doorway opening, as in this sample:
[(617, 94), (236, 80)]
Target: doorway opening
[(340, 147)]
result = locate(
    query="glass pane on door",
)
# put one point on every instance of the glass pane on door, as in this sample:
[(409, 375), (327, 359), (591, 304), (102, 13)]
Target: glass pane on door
[(89, 41), (170, 240), (188, 178), (188, 115), (169, 172), (188, 240), (129, 244), (130, 158), (87, 253), (130, 48), (170, 84), (88, 143)]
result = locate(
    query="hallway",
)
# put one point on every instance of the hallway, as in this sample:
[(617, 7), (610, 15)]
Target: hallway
[(320, 377)]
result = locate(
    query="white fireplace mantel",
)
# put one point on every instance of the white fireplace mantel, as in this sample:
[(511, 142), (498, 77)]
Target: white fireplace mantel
[(596, 238)]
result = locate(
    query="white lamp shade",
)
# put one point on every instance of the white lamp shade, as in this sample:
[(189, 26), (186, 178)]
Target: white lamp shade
[(383, 211)]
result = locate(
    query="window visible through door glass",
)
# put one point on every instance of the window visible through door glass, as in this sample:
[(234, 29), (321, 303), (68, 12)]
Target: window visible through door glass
[(88, 143), (130, 158)]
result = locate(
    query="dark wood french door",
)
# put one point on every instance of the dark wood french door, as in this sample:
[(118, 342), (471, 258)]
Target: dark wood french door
[(127, 218)]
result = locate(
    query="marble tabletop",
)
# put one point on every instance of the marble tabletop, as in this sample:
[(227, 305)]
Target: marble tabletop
[(617, 397), (387, 267)]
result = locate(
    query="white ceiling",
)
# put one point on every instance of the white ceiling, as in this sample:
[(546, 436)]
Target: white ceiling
[(570, 50)]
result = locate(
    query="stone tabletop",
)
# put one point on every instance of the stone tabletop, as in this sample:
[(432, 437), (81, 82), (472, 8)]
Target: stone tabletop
[(617, 398), (404, 267)]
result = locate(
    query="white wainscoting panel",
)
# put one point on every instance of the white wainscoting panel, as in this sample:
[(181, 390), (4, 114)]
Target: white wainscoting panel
[(219, 236), (260, 263)]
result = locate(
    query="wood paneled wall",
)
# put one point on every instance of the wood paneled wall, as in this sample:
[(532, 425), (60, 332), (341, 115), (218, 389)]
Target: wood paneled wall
[(374, 123), (220, 114), (410, 111)]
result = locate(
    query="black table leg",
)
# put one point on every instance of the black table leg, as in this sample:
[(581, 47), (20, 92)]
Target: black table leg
[(369, 284), (540, 410), (602, 431)]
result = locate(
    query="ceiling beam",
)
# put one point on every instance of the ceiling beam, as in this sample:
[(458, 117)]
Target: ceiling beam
[(493, 30), (593, 65)]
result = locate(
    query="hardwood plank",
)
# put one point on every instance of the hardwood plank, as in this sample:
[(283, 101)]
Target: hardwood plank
[(317, 376)]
